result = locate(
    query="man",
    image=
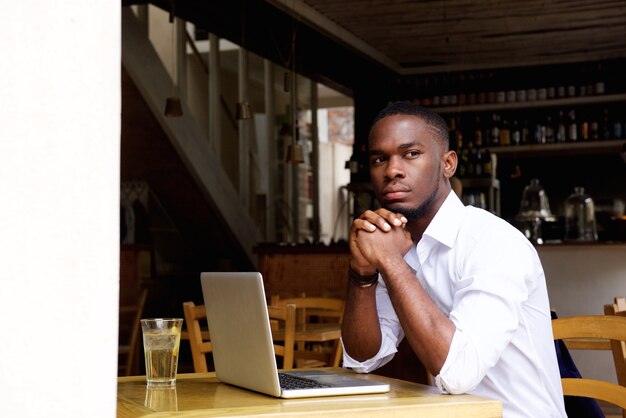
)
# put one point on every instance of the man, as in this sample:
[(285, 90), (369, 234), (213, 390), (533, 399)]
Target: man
[(463, 286)]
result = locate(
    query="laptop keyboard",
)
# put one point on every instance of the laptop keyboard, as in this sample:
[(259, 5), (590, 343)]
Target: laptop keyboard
[(289, 381)]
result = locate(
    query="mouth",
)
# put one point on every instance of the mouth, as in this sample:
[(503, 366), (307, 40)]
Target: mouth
[(395, 192)]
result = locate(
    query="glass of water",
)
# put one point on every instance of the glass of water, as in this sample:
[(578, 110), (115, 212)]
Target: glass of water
[(161, 340)]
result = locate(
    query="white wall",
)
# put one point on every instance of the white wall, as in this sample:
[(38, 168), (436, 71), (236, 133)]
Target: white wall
[(332, 176), (581, 279), (59, 207)]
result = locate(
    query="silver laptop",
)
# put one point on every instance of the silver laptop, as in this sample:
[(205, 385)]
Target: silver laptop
[(243, 351)]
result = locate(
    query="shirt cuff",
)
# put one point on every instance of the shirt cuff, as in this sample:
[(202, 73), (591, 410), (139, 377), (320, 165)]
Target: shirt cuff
[(459, 373), (384, 355)]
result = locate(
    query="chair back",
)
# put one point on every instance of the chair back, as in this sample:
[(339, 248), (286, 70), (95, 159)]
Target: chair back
[(324, 310), (284, 318), (594, 327), (618, 348), (131, 310), (195, 321)]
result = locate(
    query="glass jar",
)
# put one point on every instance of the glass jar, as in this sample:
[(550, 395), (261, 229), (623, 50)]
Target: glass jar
[(534, 211), (534, 202), (580, 220)]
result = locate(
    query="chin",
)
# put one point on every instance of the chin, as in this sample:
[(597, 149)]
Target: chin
[(411, 213)]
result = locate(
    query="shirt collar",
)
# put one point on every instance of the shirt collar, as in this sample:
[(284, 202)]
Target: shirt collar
[(445, 225), (443, 228)]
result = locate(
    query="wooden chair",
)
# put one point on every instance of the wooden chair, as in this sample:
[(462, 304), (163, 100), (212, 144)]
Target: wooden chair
[(317, 310), (618, 348), (197, 333), (284, 317), (592, 327), (131, 309), (199, 337)]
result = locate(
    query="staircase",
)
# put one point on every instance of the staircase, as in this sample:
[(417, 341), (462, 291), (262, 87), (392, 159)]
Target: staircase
[(202, 217)]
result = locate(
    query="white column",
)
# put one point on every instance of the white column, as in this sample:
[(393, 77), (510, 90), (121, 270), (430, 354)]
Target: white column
[(315, 163), (181, 59), (215, 124), (271, 153), (59, 217), (244, 132)]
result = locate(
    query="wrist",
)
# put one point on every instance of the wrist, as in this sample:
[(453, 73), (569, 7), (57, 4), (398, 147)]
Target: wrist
[(360, 280)]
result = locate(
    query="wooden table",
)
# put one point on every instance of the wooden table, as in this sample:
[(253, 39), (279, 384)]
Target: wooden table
[(202, 395)]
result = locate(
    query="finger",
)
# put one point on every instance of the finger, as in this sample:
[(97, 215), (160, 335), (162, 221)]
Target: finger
[(377, 219), (396, 219), (362, 224)]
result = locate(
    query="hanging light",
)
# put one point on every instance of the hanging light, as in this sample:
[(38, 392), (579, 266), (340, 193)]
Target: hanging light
[(295, 154), (173, 105), (243, 111)]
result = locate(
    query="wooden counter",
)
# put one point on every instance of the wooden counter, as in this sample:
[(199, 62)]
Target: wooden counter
[(202, 395)]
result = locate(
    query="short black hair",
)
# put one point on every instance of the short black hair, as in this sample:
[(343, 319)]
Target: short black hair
[(434, 121)]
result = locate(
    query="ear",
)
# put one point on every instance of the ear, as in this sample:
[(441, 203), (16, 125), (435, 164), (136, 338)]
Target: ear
[(449, 160)]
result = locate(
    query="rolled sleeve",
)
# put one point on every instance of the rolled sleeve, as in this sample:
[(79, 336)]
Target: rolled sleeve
[(385, 354), (460, 372)]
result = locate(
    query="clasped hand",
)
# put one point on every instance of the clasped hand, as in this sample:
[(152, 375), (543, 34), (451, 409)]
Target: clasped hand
[(377, 237)]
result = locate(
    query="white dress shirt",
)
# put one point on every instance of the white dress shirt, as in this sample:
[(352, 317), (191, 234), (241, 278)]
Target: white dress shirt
[(487, 278)]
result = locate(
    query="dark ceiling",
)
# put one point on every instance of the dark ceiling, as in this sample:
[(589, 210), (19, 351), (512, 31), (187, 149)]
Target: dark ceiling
[(348, 43), (409, 35)]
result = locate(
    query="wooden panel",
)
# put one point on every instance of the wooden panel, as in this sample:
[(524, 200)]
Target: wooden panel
[(309, 270)]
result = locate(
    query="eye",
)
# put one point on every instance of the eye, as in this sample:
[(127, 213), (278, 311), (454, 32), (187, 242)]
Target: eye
[(412, 154), (377, 160)]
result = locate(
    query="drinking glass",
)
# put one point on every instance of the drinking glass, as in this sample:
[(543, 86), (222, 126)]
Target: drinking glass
[(161, 340)]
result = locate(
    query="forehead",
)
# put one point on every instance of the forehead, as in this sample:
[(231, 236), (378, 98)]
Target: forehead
[(403, 128)]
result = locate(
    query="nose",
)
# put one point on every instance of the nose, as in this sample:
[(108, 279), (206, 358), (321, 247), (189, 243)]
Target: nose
[(394, 168)]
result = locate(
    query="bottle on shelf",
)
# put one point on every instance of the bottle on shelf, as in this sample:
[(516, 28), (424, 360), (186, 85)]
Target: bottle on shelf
[(426, 100), (471, 93), (452, 133), (453, 90), (494, 135), (471, 161), (462, 93), (599, 87), (584, 128), (605, 125), (491, 90), (487, 164), (550, 136), (516, 133), (594, 127), (618, 129), (478, 133), (461, 170), (561, 135), (540, 133), (505, 133), (525, 133), (572, 127), (478, 162)]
